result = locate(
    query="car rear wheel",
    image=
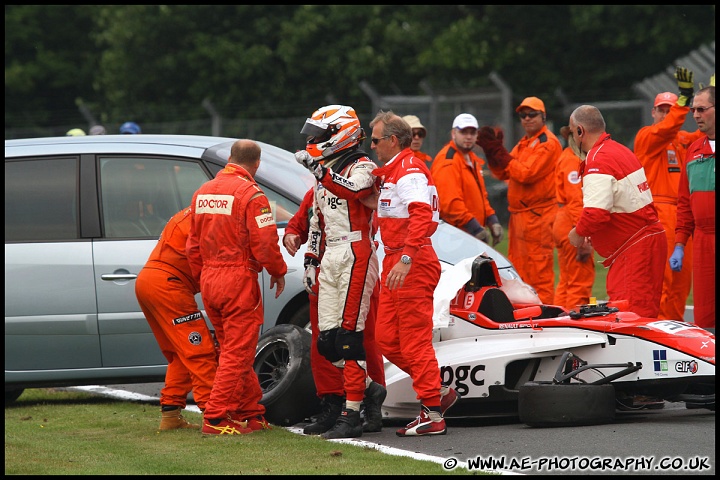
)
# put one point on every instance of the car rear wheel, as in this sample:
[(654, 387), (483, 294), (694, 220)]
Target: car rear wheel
[(545, 404), (282, 364)]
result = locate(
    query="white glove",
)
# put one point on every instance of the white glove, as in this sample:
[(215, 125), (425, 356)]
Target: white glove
[(496, 231), (304, 159), (309, 279)]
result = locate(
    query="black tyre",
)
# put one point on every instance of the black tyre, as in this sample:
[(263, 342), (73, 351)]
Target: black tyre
[(301, 317), (12, 395), (282, 364), (544, 404)]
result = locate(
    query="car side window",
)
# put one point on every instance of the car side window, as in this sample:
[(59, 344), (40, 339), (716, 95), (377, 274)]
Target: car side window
[(41, 200), (139, 194)]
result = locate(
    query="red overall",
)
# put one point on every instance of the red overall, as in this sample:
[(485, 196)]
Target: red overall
[(233, 236)]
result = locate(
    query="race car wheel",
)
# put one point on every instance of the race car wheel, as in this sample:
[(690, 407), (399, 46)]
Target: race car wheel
[(544, 404), (282, 364)]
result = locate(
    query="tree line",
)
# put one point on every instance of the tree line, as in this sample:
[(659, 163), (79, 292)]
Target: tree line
[(156, 63)]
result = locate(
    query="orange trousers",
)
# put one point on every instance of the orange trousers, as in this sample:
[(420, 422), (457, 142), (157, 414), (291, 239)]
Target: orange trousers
[(182, 334), (676, 285), (530, 249), (576, 278)]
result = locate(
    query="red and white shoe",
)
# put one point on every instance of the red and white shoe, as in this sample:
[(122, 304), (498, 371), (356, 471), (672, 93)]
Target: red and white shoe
[(448, 397), (423, 425)]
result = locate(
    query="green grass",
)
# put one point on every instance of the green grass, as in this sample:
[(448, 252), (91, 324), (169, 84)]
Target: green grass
[(59, 432)]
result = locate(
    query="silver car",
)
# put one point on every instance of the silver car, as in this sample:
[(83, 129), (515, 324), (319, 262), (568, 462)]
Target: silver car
[(82, 214)]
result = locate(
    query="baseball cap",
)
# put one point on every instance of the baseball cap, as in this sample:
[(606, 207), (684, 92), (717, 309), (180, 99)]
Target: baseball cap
[(130, 128), (465, 120), (665, 98), (414, 122), (532, 102), (75, 132), (98, 130)]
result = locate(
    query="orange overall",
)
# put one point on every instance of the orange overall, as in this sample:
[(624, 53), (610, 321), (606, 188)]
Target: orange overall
[(576, 276), (166, 290), (661, 148), (532, 205)]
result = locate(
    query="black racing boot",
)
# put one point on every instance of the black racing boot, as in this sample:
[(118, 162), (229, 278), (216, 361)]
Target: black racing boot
[(331, 406), (348, 425), (374, 397)]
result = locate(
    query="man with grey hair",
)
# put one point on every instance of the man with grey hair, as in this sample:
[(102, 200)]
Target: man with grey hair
[(618, 216), (407, 212)]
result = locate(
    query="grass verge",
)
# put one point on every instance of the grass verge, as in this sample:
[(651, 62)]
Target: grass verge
[(58, 432)]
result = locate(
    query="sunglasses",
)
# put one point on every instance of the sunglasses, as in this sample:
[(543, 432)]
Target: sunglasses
[(700, 110), (524, 115), (418, 133), (376, 140)]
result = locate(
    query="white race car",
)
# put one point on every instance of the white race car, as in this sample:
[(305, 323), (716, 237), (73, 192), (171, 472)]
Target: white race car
[(506, 354)]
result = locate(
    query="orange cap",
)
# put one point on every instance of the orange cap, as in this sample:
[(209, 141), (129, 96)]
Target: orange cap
[(665, 98), (532, 102)]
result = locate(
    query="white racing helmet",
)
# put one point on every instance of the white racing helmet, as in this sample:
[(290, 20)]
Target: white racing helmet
[(332, 129)]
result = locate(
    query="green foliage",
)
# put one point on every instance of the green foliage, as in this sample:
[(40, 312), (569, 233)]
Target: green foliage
[(55, 432), (157, 63)]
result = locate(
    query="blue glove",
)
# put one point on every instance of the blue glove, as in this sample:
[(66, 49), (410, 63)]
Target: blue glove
[(676, 258)]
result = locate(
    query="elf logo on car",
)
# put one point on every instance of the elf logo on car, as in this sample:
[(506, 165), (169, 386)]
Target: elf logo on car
[(460, 374), (469, 300), (687, 366)]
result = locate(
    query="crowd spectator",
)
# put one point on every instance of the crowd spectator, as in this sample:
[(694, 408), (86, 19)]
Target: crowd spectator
[(130, 128), (348, 261), (528, 170), (696, 209), (661, 149), (98, 130), (458, 175), (408, 215), (328, 378), (165, 289), (576, 264), (232, 237), (419, 132), (618, 215)]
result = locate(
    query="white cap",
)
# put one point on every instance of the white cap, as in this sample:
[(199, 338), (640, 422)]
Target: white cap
[(465, 120)]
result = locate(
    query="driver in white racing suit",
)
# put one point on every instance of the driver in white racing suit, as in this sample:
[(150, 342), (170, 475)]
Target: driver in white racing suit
[(349, 268)]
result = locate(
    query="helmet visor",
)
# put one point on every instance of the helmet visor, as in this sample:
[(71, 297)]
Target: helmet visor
[(314, 128)]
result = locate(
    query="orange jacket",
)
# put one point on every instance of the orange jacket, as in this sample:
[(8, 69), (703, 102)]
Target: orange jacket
[(461, 188), (530, 173), (568, 185), (427, 158), (661, 149), (169, 253)]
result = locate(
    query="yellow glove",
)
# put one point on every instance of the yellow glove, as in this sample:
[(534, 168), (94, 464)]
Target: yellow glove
[(685, 84)]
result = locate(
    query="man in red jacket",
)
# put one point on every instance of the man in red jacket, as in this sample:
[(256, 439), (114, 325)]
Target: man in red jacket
[(618, 215), (661, 149), (233, 236), (696, 210)]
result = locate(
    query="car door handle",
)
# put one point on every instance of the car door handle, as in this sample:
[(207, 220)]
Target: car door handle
[(115, 277)]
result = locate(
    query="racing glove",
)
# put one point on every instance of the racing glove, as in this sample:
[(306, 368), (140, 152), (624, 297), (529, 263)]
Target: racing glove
[(315, 167), (496, 230), (482, 235), (676, 259), (492, 144), (309, 277), (685, 84)]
